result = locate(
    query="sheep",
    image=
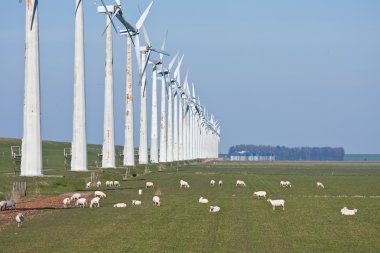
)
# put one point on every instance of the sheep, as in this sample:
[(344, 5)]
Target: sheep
[(88, 185), (277, 202), (136, 203), (10, 204), (116, 183), (3, 205), (203, 200), (184, 184), (285, 184), (98, 184), (100, 194), (75, 196), (214, 209), (108, 184), (346, 211), (212, 183), (319, 184), (220, 183), (260, 194), (81, 202), (66, 202), (149, 185), (156, 201), (140, 192), (95, 201), (120, 205), (20, 219), (240, 183), (111, 183)]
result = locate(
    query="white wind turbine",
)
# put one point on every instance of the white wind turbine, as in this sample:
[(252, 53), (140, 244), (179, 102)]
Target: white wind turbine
[(31, 159), (79, 143), (129, 156), (145, 56)]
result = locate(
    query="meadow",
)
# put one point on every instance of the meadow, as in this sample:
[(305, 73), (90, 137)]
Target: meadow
[(311, 220)]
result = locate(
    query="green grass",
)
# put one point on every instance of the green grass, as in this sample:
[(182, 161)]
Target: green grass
[(311, 222)]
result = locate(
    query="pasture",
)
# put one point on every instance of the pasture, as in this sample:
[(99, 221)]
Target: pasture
[(311, 221)]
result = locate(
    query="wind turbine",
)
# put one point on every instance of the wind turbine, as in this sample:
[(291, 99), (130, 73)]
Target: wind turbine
[(154, 131), (31, 159), (79, 143), (130, 31), (145, 56)]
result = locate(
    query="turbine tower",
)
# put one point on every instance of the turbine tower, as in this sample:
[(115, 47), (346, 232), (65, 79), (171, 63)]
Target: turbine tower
[(31, 159), (79, 143), (108, 152)]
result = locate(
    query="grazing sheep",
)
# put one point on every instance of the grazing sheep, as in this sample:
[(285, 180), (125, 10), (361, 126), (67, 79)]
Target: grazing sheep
[(10, 204), (240, 183), (111, 183), (95, 201), (98, 184), (212, 183), (319, 184), (285, 184), (136, 203), (3, 205), (346, 211), (203, 200), (277, 202), (184, 184), (20, 219), (214, 209), (149, 185), (220, 183), (260, 194), (116, 183), (100, 194), (108, 184), (82, 202), (140, 192), (120, 205), (88, 185), (75, 196), (66, 202), (156, 201)]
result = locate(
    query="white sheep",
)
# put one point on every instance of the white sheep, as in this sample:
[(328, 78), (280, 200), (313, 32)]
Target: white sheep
[(214, 209), (184, 184), (285, 184), (10, 204), (220, 183), (136, 203), (240, 183), (108, 184), (346, 211), (156, 201), (98, 184), (66, 202), (116, 183), (149, 185), (3, 205), (120, 205), (212, 183), (100, 194), (75, 196), (140, 192), (20, 219), (319, 184), (95, 202), (111, 183), (260, 194), (277, 202), (203, 200), (88, 185), (82, 202)]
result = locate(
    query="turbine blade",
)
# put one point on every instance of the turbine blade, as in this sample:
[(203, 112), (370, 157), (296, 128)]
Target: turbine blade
[(109, 15), (163, 45), (146, 37), (172, 61), (141, 20), (160, 52), (176, 72)]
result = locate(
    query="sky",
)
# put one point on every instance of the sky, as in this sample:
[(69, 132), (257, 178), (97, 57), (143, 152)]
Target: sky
[(275, 72)]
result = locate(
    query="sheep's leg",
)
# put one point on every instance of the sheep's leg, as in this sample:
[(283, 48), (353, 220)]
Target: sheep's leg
[(283, 207), (274, 208)]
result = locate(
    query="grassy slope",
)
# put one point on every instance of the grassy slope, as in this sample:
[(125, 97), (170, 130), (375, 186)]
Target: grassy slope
[(245, 224)]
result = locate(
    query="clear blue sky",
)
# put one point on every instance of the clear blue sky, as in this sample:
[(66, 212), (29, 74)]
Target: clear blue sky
[(276, 72)]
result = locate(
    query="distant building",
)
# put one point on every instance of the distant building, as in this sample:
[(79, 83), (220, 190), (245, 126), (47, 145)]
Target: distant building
[(248, 156)]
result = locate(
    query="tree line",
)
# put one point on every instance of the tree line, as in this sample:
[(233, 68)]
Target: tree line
[(297, 153)]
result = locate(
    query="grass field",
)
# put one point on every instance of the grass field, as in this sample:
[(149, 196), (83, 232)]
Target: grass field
[(311, 221)]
